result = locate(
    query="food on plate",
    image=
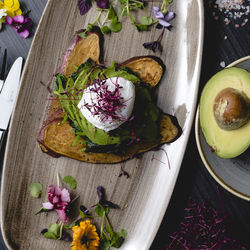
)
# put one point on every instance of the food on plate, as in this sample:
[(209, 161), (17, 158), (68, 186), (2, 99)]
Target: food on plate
[(225, 112), (105, 114)]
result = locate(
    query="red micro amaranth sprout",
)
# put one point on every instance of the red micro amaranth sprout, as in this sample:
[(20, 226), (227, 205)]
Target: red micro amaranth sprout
[(109, 102), (203, 227)]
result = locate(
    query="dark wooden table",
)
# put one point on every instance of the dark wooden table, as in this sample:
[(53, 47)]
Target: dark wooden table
[(222, 43)]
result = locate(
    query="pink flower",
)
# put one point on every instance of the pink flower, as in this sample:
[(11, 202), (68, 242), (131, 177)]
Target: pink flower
[(20, 24), (58, 200)]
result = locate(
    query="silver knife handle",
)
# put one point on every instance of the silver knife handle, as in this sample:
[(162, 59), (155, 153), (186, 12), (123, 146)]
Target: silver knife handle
[(1, 85), (2, 133)]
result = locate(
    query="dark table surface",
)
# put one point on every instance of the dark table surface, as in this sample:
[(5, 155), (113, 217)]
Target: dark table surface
[(223, 43)]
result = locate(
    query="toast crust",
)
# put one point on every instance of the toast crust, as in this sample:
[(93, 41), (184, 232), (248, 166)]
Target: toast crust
[(56, 137)]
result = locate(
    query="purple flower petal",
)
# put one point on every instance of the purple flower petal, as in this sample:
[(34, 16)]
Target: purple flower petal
[(100, 192), (24, 33), (8, 20), (103, 4), (84, 6), (154, 46), (65, 196), (55, 199), (28, 23), (164, 23), (51, 189), (158, 14), (48, 205), (62, 215), (170, 15), (58, 191), (18, 19)]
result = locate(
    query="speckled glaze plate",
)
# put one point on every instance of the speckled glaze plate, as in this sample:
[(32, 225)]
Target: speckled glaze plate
[(232, 174), (144, 197)]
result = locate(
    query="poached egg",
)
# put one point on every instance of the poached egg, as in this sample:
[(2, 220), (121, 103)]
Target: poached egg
[(108, 103)]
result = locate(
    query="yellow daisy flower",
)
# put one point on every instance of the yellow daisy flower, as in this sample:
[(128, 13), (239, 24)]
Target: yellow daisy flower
[(85, 236), (12, 7)]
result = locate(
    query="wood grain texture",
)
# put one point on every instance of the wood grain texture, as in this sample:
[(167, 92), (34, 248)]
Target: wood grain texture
[(147, 192)]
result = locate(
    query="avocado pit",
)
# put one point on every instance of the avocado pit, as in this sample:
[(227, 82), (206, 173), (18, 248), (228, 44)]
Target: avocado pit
[(231, 109)]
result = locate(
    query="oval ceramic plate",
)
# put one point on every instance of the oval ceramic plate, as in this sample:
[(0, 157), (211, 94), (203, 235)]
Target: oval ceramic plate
[(232, 174), (143, 198)]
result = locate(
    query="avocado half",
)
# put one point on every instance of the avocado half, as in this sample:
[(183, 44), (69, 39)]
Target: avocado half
[(227, 143)]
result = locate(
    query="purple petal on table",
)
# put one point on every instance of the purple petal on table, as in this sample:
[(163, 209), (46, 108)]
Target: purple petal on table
[(8, 20), (84, 6), (23, 33), (28, 22), (18, 19), (103, 4)]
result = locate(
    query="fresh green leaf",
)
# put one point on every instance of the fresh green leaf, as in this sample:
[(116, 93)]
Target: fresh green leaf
[(35, 189), (43, 210), (105, 30), (122, 11), (109, 230), (54, 228), (70, 181), (123, 233), (117, 240), (50, 235), (111, 13), (106, 245), (82, 214), (115, 25), (141, 27), (145, 20), (99, 210)]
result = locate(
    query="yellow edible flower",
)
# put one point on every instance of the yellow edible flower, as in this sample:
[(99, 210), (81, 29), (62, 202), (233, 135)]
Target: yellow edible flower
[(85, 236), (12, 7)]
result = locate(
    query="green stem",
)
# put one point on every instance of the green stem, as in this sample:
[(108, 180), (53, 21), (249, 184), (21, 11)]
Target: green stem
[(105, 19), (102, 224), (97, 19), (58, 178)]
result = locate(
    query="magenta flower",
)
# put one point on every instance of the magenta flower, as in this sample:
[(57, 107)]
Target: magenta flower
[(20, 24), (58, 200)]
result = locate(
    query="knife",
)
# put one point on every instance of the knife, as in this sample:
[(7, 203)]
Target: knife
[(8, 95)]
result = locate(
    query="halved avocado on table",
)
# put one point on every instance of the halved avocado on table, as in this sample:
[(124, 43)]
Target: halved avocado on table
[(225, 112)]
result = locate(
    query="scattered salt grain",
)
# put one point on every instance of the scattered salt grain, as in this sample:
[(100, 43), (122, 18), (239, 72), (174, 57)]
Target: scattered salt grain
[(236, 11), (223, 64)]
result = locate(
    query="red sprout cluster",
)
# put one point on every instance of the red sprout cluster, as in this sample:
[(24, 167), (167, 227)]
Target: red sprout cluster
[(203, 227), (108, 102)]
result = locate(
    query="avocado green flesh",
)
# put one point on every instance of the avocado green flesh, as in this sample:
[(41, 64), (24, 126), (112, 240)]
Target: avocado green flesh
[(82, 127), (226, 143)]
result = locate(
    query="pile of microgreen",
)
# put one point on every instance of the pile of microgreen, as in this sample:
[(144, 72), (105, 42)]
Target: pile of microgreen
[(110, 14), (109, 102), (203, 227), (85, 233)]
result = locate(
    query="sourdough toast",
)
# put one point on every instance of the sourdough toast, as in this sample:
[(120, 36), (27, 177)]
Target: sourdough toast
[(56, 137)]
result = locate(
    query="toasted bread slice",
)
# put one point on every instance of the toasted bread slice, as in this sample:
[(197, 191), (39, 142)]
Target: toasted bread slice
[(56, 138)]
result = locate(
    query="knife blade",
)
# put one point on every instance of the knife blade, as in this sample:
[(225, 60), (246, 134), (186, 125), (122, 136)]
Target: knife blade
[(9, 93)]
